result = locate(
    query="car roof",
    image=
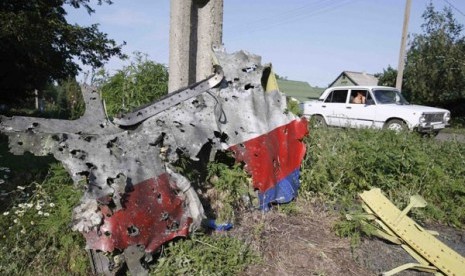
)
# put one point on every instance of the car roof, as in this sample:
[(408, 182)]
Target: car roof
[(353, 87), (361, 87)]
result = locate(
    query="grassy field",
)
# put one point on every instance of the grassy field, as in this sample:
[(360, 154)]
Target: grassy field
[(38, 197)]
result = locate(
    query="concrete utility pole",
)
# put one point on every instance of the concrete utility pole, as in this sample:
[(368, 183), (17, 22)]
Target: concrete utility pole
[(209, 33), (403, 42), (195, 26), (180, 30)]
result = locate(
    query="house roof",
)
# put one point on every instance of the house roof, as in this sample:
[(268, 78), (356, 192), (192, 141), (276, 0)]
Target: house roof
[(358, 78), (299, 90)]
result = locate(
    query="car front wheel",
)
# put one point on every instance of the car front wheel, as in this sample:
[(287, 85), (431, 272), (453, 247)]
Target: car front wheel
[(395, 125), (318, 121)]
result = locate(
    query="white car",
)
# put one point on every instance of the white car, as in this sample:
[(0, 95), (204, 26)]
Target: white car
[(373, 107)]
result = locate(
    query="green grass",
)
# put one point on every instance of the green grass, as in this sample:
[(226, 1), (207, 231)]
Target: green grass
[(343, 162), (18, 170), (205, 255), (35, 230)]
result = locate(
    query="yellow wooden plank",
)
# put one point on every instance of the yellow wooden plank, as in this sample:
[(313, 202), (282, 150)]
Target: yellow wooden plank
[(437, 253)]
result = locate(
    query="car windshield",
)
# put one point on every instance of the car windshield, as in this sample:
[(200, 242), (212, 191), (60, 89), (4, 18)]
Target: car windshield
[(389, 96)]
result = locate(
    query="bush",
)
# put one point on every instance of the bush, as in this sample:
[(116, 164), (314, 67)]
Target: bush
[(142, 82)]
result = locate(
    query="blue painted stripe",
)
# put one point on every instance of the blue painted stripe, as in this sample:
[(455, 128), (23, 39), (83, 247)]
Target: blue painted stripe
[(283, 192)]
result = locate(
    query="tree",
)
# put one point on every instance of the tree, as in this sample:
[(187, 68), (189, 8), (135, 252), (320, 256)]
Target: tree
[(62, 100), (139, 83), (388, 77), (435, 67), (38, 46)]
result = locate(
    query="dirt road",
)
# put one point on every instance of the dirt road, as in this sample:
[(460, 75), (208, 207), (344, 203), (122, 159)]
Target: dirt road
[(442, 136)]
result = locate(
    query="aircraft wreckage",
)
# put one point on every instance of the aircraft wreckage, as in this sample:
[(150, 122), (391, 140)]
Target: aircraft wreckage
[(134, 200)]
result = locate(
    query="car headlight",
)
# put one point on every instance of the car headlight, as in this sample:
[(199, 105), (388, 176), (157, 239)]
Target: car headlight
[(422, 119), (446, 117)]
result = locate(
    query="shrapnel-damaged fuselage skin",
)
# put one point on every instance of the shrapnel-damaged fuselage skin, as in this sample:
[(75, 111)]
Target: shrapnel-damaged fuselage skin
[(134, 200)]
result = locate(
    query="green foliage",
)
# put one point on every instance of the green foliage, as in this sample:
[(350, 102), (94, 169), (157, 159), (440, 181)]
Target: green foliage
[(34, 231), (40, 29), (61, 100), (435, 71), (278, 77), (139, 83), (388, 77), (354, 227), (288, 208), (224, 184), (351, 229), (205, 255), (294, 108), (342, 163), (231, 189), (64, 100), (457, 124)]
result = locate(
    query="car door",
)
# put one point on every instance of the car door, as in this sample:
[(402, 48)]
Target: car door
[(334, 107), (360, 113)]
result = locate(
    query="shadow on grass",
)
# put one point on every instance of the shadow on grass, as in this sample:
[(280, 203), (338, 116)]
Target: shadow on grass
[(19, 170)]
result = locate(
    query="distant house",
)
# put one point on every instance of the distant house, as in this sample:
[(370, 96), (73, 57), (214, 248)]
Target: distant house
[(348, 78), (299, 90)]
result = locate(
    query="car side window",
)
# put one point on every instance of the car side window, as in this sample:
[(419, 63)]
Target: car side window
[(358, 96), (337, 96)]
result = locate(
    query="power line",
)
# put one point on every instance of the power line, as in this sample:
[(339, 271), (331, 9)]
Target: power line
[(293, 15), (287, 13), (455, 8)]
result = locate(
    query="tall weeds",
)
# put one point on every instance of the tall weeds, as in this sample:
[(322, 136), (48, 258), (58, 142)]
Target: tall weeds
[(35, 232)]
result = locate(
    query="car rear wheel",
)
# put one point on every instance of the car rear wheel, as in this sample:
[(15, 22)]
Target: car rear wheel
[(318, 121), (395, 125)]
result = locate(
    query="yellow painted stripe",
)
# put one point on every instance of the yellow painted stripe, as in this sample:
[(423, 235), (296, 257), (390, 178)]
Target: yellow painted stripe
[(272, 83)]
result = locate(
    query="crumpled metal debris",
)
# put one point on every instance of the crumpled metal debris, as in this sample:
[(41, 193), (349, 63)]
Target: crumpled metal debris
[(133, 197), (394, 225)]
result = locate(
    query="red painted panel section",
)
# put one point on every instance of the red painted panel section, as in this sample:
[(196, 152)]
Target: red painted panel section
[(152, 214), (271, 157)]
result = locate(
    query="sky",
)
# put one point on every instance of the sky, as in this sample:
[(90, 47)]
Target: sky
[(305, 40)]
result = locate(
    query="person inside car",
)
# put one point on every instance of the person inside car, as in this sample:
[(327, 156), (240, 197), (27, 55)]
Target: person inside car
[(359, 98)]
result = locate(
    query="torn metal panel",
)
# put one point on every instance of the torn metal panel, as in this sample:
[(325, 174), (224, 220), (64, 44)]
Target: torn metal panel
[(125, 167)]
